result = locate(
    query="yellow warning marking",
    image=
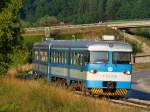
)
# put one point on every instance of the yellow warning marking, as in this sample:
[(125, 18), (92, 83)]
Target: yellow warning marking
[(99, 91)]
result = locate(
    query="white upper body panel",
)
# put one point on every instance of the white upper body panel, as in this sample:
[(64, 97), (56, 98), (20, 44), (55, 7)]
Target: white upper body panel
[(110, 47)]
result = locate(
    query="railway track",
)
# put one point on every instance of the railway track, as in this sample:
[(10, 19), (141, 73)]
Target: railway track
[(133, 102), (123, 101)]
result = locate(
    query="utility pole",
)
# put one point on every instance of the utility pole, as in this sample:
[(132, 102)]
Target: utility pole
[(47, 32), (124, 31)]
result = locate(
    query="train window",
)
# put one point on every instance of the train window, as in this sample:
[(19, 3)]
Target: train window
[(65, 57), (36, 57), (79, 58), (86, 58), (46, 56), (43, 56), (121, 57), (74, 58), (58, 57), (40, 55), (54, 56), (98, 57)]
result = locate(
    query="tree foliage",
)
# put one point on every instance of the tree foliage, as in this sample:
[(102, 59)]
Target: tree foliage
[(10, 32), (85, 11), (46, 21)]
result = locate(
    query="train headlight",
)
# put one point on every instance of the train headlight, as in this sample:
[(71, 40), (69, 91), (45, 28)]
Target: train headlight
[(93, 71), (127, 72)]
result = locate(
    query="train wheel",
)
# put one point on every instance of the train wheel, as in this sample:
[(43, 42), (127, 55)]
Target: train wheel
[(73, 86), (85, 91)]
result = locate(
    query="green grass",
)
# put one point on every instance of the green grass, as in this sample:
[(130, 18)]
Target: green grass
[(39, 96), (30, 40)]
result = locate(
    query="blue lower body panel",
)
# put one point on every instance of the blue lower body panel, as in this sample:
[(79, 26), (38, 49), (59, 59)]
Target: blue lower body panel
[(99, 84)]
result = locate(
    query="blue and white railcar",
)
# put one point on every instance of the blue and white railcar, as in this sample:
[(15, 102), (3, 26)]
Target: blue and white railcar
[(100, 67)]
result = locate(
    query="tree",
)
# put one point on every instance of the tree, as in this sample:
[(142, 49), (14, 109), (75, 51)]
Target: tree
[(3, 4), (10, 33), (101, 9), (112, 7), (46, 21)]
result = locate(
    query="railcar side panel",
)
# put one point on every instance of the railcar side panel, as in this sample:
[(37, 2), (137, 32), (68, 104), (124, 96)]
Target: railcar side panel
[(59, 71)]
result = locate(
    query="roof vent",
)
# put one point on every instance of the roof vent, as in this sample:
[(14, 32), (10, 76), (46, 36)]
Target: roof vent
[(108, 37)]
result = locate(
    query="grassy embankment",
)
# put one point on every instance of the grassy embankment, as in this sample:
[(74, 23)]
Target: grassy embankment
[(39, 96), (143, 34), (88, 33)]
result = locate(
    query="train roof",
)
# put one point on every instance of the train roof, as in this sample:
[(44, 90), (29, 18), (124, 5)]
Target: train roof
[(90, 45)]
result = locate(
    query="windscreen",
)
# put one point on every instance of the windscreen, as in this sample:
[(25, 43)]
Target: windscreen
[(98, 57), (121, 57)]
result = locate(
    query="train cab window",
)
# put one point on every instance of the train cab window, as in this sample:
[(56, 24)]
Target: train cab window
[(98, 57), (121, 57)]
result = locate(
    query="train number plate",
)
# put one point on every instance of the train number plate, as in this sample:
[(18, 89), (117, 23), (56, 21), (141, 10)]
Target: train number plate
[(109, 76)]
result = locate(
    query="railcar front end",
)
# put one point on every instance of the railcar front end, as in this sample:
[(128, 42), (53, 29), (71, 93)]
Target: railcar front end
[(109, 72)]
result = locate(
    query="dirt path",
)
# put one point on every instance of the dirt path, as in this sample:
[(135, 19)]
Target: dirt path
[(145, 47)]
